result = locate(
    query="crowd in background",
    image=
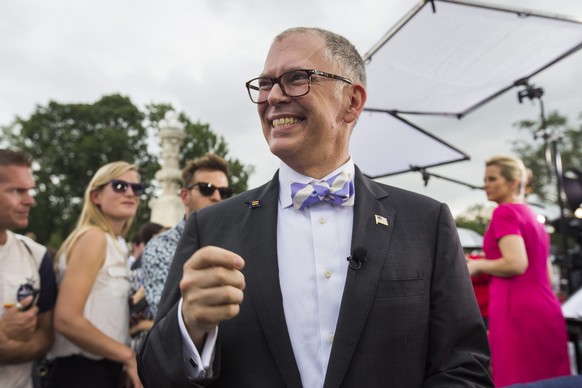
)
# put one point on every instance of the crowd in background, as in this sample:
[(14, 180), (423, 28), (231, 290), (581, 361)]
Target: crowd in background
[(88, 335), (104, 311)]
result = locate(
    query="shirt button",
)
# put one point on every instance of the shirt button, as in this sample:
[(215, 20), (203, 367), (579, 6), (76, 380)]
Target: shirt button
[(322, 220), (327, 274), (330, 338)]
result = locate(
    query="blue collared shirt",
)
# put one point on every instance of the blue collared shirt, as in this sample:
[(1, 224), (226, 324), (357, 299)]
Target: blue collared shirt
[(156, 259)]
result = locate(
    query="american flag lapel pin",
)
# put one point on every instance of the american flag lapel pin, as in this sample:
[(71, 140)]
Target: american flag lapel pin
[(381, 220)]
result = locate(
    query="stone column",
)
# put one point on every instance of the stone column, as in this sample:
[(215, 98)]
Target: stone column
[(168, 209)]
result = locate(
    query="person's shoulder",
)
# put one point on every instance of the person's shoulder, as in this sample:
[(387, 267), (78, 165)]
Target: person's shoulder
[(169, 237), (36, 249), (29, 242), (520, 212), (505, 209), (171, 234), (94, 232), (93, 236), (508, 213)]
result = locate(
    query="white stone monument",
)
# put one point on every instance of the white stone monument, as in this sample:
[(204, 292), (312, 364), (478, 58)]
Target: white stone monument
[(167, 208)]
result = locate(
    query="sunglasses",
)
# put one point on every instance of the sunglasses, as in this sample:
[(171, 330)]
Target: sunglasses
[(207, 189), (120, 186)]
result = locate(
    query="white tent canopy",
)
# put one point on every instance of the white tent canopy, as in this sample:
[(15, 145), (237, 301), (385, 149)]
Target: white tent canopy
[(448, 57), (383, 144), (452, 60)]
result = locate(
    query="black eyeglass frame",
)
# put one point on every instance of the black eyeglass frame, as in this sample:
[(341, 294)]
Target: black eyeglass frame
[(277, 80), (207, 189), (121, 186)]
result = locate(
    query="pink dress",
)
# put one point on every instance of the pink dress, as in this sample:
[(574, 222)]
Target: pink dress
[(527, 330)]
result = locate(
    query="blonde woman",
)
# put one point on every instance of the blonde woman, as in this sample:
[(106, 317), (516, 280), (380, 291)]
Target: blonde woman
[(92, 311), (527, 331)]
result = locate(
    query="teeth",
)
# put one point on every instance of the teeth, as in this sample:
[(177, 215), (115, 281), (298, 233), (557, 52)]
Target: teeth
[(284, 121)]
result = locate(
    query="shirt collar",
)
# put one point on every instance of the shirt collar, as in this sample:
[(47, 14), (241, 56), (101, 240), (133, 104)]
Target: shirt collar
[(287, 175)]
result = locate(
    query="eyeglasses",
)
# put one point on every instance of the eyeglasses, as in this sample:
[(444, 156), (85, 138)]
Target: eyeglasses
[(207, 189), (294, 83), (121, 186)]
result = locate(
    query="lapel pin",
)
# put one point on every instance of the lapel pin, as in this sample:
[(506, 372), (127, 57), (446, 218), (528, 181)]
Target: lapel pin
[(254, 203), (381, 220)]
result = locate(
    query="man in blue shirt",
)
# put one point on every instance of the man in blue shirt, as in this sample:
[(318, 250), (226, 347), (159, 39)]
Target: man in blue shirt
[(204, 183)]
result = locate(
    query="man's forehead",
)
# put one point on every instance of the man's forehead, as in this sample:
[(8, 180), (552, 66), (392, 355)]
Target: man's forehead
[(295, 51), (16, 176), (205, 173)]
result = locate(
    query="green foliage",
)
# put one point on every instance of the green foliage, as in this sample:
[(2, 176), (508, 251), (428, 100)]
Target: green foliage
[(533, 154), (69, 142), (476, 218), (568, 141)]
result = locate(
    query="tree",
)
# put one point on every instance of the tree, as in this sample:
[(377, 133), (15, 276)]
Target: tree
[(533, 154), (476, 218), (69, 142)]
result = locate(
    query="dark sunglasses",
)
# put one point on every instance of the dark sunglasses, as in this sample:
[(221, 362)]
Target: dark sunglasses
[(207, 189), (120, 186)]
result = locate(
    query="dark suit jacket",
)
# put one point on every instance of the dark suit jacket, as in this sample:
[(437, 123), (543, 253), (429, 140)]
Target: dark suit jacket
[(408, 317)]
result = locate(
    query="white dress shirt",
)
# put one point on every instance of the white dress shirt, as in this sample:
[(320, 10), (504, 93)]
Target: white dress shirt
[(312, 247)]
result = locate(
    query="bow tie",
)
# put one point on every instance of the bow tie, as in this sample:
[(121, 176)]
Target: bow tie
[(338, 190)]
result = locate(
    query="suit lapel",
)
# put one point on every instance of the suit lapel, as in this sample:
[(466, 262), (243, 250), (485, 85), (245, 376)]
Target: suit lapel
[(361, 284), (258, 233)]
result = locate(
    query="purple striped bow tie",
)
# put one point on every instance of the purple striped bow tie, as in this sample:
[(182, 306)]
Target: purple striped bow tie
[(338, 190)]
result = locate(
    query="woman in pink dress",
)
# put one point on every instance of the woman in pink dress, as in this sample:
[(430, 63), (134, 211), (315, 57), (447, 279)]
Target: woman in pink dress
[(527, 331)]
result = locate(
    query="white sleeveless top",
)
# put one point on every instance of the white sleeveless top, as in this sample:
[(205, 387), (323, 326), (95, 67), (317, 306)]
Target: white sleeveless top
[(18, 266), (107, 306)]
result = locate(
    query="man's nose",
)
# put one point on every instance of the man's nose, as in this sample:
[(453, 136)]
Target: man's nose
[(215, 197), (276, 95), (29, 200)]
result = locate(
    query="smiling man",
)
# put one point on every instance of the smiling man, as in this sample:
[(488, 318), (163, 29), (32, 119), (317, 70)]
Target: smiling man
[(27, 283), (260, 293)]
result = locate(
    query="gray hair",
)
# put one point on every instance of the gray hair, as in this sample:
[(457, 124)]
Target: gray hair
[(339, 52)]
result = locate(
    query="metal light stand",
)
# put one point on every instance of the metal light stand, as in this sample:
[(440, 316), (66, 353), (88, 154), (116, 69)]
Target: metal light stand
[(427, 175), (551, 139)]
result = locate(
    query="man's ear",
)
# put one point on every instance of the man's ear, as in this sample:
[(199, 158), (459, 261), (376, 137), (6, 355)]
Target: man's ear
[(357, 100), (184, 196)]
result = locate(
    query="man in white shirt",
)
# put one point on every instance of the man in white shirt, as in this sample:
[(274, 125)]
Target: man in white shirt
[(27, 284), (260, 293)]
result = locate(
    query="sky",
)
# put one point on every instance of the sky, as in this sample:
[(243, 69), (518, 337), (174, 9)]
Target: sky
[(197, 55)]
